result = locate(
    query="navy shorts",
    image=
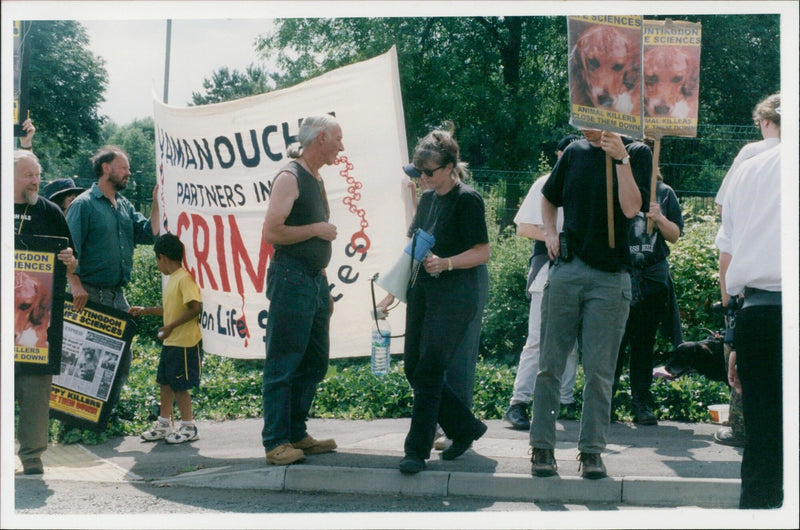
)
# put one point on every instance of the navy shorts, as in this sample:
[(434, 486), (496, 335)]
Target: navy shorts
[(180, 367)]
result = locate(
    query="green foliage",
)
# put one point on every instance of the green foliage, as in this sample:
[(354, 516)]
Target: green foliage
[(354, 392), (505, 318), (231, 389), (483, 73), (144, 289), (227, 85), (66, 83), (684, 399), (494, 383), (694, 265)]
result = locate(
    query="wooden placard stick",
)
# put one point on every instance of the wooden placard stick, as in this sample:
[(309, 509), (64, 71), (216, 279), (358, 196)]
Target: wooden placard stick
[(610, 200), (654, 177)]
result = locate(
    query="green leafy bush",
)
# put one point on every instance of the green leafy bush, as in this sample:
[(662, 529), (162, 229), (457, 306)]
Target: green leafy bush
[(505, 318), (694, 265), (144, 289), (231, 388)]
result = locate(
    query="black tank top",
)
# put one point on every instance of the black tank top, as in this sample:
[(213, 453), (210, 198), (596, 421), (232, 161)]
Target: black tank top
[(311, 206)]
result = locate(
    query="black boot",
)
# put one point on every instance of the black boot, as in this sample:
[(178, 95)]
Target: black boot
[(642, 413), (517, 416)]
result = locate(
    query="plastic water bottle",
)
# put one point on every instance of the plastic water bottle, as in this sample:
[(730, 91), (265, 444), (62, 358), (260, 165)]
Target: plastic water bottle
[(381, 341)]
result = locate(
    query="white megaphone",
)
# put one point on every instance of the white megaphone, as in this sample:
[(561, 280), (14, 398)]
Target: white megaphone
[(395, 280)]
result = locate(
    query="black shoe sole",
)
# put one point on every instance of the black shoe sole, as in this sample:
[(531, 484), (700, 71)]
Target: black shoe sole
[(519, 426), (544, 473), (594, 476)]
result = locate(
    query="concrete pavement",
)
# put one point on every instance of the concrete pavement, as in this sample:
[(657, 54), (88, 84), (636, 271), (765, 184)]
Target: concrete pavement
[(671, 464)]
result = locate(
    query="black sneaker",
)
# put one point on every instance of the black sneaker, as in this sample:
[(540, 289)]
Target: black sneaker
[(517, 416), (543, 462), (411, 464), (642, 414), (458, 447), (592, 465)]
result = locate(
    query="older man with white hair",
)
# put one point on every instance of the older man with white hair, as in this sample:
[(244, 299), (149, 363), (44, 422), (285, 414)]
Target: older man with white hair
[(36, 216), (297, 225)]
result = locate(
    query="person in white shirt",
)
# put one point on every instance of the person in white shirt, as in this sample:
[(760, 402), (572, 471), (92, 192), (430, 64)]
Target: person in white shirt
[(768, 120), (751, 235), (530, 224)]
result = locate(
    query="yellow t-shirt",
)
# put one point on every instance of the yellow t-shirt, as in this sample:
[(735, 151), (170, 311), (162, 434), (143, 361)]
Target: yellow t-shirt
[(179, 291)]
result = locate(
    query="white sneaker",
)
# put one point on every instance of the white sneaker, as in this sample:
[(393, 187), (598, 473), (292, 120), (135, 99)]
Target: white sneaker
[(159, 431), (186, 433)]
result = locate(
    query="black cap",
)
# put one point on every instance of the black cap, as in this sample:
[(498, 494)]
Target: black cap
[(60, 187), (411, 171)]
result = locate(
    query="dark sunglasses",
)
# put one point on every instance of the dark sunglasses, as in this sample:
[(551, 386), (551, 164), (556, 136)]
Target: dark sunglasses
[(430, 172)]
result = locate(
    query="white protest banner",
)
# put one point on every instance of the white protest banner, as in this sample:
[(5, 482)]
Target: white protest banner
[(216, 164)]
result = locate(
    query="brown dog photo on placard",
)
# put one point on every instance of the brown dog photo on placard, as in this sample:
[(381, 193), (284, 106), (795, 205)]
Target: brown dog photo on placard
[(605, 68), (31, 310), (671, 81)]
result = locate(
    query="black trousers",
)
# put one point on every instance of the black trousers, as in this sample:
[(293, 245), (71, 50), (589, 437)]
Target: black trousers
[(437, 315), (640, 334), (758, 343)]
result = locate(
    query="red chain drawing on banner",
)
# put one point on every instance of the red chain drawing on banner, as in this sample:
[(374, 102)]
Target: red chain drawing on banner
[(359, 240)]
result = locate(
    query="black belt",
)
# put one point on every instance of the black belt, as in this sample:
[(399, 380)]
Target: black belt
[(759, 297)]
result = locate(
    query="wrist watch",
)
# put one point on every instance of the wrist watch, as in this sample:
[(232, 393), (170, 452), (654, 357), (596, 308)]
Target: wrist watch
[(625, 161)]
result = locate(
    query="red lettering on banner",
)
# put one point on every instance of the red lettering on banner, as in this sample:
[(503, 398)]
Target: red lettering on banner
[(223, 266), (201, 242), (240, 256), (200, 255)]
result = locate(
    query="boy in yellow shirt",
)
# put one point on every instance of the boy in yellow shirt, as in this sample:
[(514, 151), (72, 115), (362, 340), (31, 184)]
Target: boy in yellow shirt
[(181, 353)]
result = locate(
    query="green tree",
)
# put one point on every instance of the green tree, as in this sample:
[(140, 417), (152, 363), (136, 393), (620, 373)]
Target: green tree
[(501, 80), (66, 84), (226, 85)]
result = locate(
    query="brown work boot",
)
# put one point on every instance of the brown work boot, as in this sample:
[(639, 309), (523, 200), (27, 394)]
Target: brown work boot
[(284, 454), (543, 462), (310, 446)]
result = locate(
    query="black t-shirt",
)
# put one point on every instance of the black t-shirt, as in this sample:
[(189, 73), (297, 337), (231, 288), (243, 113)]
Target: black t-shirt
[(41, 219), (457, 220), (647, 249), (311, 206), (578, 184)]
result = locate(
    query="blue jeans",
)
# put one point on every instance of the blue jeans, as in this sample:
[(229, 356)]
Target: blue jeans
[(594, 303), (109, 296), (297, 349)]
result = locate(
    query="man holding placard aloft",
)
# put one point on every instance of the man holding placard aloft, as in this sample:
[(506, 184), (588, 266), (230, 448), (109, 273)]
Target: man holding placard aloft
[(601, 182), (589, 287)]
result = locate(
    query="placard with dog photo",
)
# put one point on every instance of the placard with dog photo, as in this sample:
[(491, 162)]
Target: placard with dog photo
[(605, 73), (39, 289), (95, 356), (671, 77)]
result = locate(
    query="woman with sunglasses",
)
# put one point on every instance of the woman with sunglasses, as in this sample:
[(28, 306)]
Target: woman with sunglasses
[(442, 299)]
